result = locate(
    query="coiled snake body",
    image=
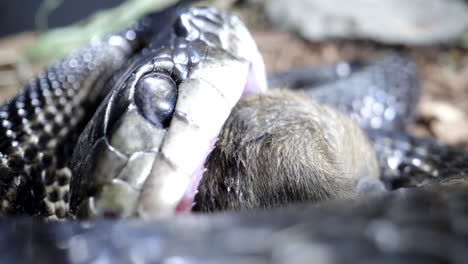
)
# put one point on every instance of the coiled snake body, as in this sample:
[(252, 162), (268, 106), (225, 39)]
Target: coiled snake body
[(175, 77)]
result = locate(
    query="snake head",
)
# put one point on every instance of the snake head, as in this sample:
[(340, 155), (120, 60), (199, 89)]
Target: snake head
[(143, 152)]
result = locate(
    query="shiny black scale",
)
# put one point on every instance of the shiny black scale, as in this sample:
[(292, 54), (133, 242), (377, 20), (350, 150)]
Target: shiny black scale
[(158, 110), (409, 161), (39, 127)]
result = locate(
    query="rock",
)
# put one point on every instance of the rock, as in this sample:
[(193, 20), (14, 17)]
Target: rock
[(417, 22)]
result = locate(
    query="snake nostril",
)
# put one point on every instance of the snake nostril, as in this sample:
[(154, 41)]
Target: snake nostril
[(155, 98)]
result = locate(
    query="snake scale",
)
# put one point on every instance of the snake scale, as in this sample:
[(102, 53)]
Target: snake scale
[(41, 126)]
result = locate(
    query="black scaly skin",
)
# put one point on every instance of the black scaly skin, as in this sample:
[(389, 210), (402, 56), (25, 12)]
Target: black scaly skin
[(382, 94), (408, 161), (420, 225), (39, 127)]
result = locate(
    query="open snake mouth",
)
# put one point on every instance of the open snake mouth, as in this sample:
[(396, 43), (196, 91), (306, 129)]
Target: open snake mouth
[(143, 152)]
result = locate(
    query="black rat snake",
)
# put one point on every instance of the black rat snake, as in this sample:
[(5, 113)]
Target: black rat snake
[(208, 55)]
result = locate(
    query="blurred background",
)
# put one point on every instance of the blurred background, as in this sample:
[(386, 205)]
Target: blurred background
[(28, 15), (433, 33)]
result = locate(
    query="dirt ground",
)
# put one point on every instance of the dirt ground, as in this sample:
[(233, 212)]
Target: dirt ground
[(443, 109)]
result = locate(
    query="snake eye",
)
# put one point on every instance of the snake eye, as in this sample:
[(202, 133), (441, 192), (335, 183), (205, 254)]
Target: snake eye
[(155, 97)]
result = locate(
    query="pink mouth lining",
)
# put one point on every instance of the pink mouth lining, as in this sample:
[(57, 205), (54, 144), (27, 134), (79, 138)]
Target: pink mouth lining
[(254, 84)]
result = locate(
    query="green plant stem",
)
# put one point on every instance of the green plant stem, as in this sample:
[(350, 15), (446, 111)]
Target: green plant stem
[(59, 42)]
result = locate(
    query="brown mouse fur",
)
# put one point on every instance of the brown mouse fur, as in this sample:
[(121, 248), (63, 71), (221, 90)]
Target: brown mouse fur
[(281, 147)]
